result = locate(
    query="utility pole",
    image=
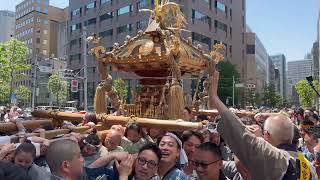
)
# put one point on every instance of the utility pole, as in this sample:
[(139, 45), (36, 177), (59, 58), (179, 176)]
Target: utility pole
[(34, 83), (85, 72), (233, 84)]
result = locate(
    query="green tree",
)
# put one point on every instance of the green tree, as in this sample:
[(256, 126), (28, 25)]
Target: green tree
[(253, 98), (307, 96), (13, 61), (5, 93), (58, 88), (227, 72), (121, 89), (270, 96), (23, 94)]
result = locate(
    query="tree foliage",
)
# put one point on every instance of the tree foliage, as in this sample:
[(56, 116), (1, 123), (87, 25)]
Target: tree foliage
[(227, 72), (23, 94), (5, 93), (253, 98), (270, 97), (121, 89), (13, 55), (307, 95), (58, 88)]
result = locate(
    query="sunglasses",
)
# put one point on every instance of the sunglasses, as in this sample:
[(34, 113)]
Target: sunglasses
[(203, 165), (150, 164)]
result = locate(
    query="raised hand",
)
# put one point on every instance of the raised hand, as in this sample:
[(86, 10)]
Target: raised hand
[(125, 166), (213, 89)]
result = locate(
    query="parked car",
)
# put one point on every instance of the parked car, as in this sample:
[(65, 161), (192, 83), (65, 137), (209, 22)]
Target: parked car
[(47, 108), (70, 109)]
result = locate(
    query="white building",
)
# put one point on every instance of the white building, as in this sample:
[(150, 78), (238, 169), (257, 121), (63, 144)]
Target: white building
[(298, 70), (7, 22), (279, 62)]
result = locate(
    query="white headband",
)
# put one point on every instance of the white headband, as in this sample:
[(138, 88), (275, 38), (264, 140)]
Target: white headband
[(183, 155)]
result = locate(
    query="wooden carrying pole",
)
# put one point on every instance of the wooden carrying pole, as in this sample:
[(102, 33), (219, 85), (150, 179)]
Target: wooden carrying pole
[(57, 132), (169, 125), (30, 124), (73, 117), (215, 113), (109, 120)]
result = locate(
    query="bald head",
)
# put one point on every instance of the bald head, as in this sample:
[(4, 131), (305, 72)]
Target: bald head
[(279, 130), (112, 140), (60, 151), (118, 128)]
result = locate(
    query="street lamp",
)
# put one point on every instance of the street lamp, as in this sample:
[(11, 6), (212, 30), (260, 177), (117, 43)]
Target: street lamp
[(310, 79)]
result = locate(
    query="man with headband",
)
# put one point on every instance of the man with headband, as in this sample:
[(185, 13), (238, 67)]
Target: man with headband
[(172, 151)]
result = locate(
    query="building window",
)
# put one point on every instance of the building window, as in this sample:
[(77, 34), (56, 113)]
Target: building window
[(106, 33), (201, 38), (196, 15), (142, 24), (220, 25), (125, 28), (73, 43), (251, 49), (38, 8), (105, 16), (45, 22), (105, 1), (45, 10), (90, 22), (76, 27), (91, 5), (124, 10), (76, 12), (38, 20), (144, 3), (91, 70), (45, 31), (45, 41), (219, 5), (38, 40), (44, 52)]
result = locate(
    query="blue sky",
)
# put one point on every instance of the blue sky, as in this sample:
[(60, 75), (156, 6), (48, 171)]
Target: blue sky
[(10, 4), (283, 26)]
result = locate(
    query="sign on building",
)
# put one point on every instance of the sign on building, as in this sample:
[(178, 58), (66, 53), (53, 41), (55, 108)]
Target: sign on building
[(74, 86)]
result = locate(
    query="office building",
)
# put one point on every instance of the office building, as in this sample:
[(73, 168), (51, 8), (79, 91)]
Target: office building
[(297, 70), (279, 62), (209, 22), (38, 25), (7, 21)]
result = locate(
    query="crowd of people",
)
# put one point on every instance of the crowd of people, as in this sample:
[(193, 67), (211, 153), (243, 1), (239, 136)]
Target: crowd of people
[(281, 146)]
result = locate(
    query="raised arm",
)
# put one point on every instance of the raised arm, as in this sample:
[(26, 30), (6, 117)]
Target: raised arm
[(260, 157), (104, 160)]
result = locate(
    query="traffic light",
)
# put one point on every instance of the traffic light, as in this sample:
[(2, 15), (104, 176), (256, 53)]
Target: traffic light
[(68, 74), (74, 86)]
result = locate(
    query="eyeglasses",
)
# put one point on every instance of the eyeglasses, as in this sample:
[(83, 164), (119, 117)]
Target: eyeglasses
[(202, 164), (110, 142), (88, 144), (150, 164)]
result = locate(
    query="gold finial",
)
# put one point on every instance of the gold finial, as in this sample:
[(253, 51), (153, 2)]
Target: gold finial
[(215, 53)]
